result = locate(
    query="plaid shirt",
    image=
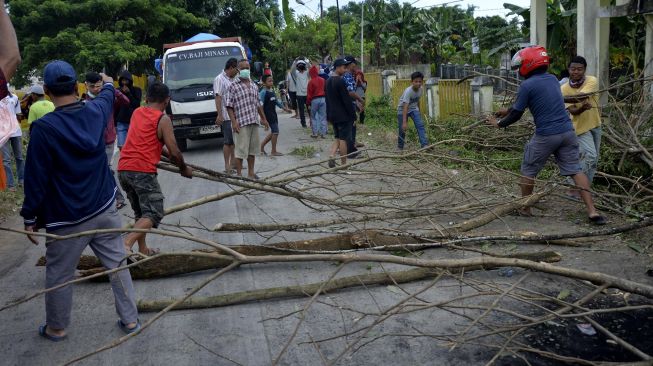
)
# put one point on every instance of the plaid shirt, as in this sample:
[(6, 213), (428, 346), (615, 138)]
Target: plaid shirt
[(243, 98)]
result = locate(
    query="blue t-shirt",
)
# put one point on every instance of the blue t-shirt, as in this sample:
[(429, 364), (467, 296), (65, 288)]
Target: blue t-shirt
[(349, 81), (541, 94)]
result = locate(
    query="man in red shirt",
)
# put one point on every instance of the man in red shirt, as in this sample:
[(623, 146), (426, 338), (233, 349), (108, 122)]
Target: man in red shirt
[(150, 129)]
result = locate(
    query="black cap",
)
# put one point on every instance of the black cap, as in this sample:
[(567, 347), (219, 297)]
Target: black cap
[(350, 60), (339, 62)]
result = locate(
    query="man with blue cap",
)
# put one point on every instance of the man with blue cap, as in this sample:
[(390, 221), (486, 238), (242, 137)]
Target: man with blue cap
[(69, 189)]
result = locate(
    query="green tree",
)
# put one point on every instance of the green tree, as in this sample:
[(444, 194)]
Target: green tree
[(94, 34)]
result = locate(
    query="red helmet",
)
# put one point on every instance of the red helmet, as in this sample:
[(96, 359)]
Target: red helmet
[(529, 59)]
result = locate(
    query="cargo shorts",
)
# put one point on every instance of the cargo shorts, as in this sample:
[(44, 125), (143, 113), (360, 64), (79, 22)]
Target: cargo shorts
[(144, 195)]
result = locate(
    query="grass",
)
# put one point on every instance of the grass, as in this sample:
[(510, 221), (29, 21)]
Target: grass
[(10, 203), (304, 151), (507, 152)]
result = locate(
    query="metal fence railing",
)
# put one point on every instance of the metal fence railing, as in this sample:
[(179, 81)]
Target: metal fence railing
[(454, 97), (374, 84)]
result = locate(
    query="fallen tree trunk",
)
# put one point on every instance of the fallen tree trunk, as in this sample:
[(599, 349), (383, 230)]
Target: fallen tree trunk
[(171, 264), (335, 284)]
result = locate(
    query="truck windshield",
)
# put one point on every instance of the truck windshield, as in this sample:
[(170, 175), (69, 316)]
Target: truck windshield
[(196, 67)]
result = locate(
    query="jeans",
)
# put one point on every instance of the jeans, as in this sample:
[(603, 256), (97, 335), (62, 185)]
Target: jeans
[(15, 145), (419, 125), (109, 151), (121, 130), (301, 105), (589, 145), (318, 116)]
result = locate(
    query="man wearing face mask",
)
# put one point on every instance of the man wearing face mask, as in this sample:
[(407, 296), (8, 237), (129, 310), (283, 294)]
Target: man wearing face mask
[(242, 104), (93, 85), (150, 129)]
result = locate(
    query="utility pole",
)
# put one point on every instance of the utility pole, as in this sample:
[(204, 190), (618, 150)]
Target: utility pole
[(321, 10), (362, 9), (342, 48)]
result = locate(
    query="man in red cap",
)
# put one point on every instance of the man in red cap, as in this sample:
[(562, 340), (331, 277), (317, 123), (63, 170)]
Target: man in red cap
[(554, 132)]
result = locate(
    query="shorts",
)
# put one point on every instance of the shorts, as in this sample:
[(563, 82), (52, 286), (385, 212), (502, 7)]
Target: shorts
[(274, 127), (343, 130), (144, 194), (227, 133), (247, 141), (564, 146), (121, 131)]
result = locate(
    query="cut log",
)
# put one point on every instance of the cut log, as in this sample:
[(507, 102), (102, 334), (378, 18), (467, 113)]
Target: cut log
[(335, 284), (172, 264)]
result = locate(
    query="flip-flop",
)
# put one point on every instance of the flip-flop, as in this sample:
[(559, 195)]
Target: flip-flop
[(124, 328), (277, 154), (152, 251), (598, 220), (50, 337), (264, 153), (332, 162)]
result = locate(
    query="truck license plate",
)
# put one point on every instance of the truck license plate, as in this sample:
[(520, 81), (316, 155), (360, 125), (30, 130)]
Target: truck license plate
[(205, 130)]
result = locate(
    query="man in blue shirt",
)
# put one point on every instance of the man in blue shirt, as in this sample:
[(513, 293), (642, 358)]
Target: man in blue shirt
[(554, 132), (69, 189)]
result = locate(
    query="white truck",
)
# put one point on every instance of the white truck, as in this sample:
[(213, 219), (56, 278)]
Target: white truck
[(188, 70)]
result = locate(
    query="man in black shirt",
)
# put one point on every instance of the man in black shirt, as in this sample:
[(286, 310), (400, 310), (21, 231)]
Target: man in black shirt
[(340, 112)]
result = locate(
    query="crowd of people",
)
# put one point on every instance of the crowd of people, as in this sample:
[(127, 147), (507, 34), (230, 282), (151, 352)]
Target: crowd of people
[(70, 186)]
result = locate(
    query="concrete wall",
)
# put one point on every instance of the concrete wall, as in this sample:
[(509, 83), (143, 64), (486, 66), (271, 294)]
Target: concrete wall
[(403, 71)]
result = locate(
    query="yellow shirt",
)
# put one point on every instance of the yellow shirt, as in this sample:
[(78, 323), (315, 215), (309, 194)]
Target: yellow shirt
[(591, 118), (39, 109)]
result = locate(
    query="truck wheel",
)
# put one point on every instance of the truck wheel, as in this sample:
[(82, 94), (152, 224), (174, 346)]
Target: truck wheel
[(182, 144)]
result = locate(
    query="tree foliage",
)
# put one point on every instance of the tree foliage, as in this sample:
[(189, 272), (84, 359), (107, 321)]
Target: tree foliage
[(95, 34)]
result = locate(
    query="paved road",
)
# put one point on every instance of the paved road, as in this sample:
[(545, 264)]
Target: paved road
[(237, 332), (242, 334)]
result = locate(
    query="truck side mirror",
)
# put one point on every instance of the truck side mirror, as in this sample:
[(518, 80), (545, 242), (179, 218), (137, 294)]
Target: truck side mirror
[(258, 68)]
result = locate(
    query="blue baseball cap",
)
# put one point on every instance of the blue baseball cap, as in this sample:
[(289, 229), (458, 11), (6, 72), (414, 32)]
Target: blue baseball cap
[(340, 62), (59, 73)]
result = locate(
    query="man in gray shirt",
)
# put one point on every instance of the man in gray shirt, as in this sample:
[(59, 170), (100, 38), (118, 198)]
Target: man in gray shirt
[(409, 107)]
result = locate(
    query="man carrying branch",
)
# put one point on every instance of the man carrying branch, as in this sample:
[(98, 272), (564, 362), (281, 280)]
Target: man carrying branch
[(554, 133), (150, 129)]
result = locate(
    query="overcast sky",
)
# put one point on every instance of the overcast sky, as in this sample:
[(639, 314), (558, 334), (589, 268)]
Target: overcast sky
[(483, 7)]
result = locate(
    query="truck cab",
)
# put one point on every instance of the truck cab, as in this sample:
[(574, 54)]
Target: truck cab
[(189, 70)]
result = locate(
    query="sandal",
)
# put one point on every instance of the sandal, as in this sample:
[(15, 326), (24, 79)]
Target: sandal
[(332, 162), (50, 337), (598, 220), (124, 328), (152, 251), (277, 154)]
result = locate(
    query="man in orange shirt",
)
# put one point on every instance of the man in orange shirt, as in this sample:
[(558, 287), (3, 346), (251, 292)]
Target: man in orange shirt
[(150, 129)]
